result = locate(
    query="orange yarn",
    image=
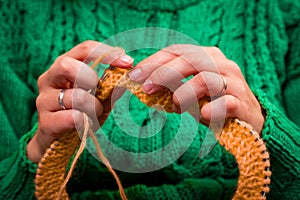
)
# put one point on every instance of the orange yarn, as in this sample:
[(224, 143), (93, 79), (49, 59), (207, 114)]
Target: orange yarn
[(237, 137), (252, 158), (51, 169)]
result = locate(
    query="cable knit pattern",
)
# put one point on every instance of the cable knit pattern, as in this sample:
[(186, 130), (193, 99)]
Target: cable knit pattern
[(262, 37)]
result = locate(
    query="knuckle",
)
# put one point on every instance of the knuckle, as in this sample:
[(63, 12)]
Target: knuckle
[(64, 67), (233, 66), (215, 52), (173, 46), (39, 102), (86, 46), (64, 63), (40, 81), (175, 49), (58, 59)]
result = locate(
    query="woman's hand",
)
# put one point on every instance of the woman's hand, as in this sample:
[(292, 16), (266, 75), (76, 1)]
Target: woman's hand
[(212, 75), (71, 73)]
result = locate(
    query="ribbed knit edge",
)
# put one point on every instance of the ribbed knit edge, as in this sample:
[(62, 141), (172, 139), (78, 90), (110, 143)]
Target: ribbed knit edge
[(282, 138), (25, 162), (277, 129), (18, 179)]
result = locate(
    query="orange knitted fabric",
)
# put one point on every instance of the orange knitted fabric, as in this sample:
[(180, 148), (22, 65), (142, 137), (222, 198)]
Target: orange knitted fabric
[(237, 137), (51, 170)]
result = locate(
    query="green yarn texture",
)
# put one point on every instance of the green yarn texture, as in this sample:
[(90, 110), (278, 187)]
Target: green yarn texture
[(262, 37)]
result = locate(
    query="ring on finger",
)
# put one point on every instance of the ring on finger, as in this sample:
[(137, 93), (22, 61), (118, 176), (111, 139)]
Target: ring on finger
[(61, 99), (224, 88)]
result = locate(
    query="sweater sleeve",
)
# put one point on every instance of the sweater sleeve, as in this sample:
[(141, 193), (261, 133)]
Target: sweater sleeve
[(281, 131), (282, 138), (17, 173)]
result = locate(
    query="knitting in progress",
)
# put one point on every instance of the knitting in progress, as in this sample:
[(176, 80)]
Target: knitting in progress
[(260, 36), (236, 136)]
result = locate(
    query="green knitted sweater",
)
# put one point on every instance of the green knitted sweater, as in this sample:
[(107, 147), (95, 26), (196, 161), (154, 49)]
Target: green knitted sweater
[(261, 36)]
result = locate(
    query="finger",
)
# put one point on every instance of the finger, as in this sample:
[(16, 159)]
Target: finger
[(159, 58), (155, 85), (64, 120), (168, 75), (148, 65), (221, 108), (184, 59), (90, 50), (69, 70), (199, 57), (203, 84), (72, 99), (85, 102), (203, 58)]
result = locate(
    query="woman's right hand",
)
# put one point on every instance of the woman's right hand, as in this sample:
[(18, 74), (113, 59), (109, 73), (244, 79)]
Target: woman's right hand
[(71, 73)]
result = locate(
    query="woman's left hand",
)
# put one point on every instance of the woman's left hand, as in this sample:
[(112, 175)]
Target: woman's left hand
[(212, 75)]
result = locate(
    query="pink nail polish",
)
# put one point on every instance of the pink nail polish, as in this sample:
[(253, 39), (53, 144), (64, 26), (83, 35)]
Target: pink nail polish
[(147, 86), (126, 59), (135, 74)]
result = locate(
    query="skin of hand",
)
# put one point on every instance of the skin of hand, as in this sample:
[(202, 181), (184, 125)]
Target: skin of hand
[(71, 72), (205, 66)]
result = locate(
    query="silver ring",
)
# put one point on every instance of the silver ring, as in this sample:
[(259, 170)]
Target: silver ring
[(61, 99), (223, 91)]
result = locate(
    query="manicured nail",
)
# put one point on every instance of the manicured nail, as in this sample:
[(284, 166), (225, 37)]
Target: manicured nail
[(126, 59), (135, 74), (147, 86)]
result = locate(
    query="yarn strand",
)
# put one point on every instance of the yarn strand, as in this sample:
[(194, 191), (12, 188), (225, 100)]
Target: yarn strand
[(87, 131), (79, 152), (108, 165)]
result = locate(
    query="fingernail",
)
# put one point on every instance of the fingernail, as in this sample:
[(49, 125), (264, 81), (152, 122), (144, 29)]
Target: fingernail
[(147, 86), (126, 59), (135, 74)]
